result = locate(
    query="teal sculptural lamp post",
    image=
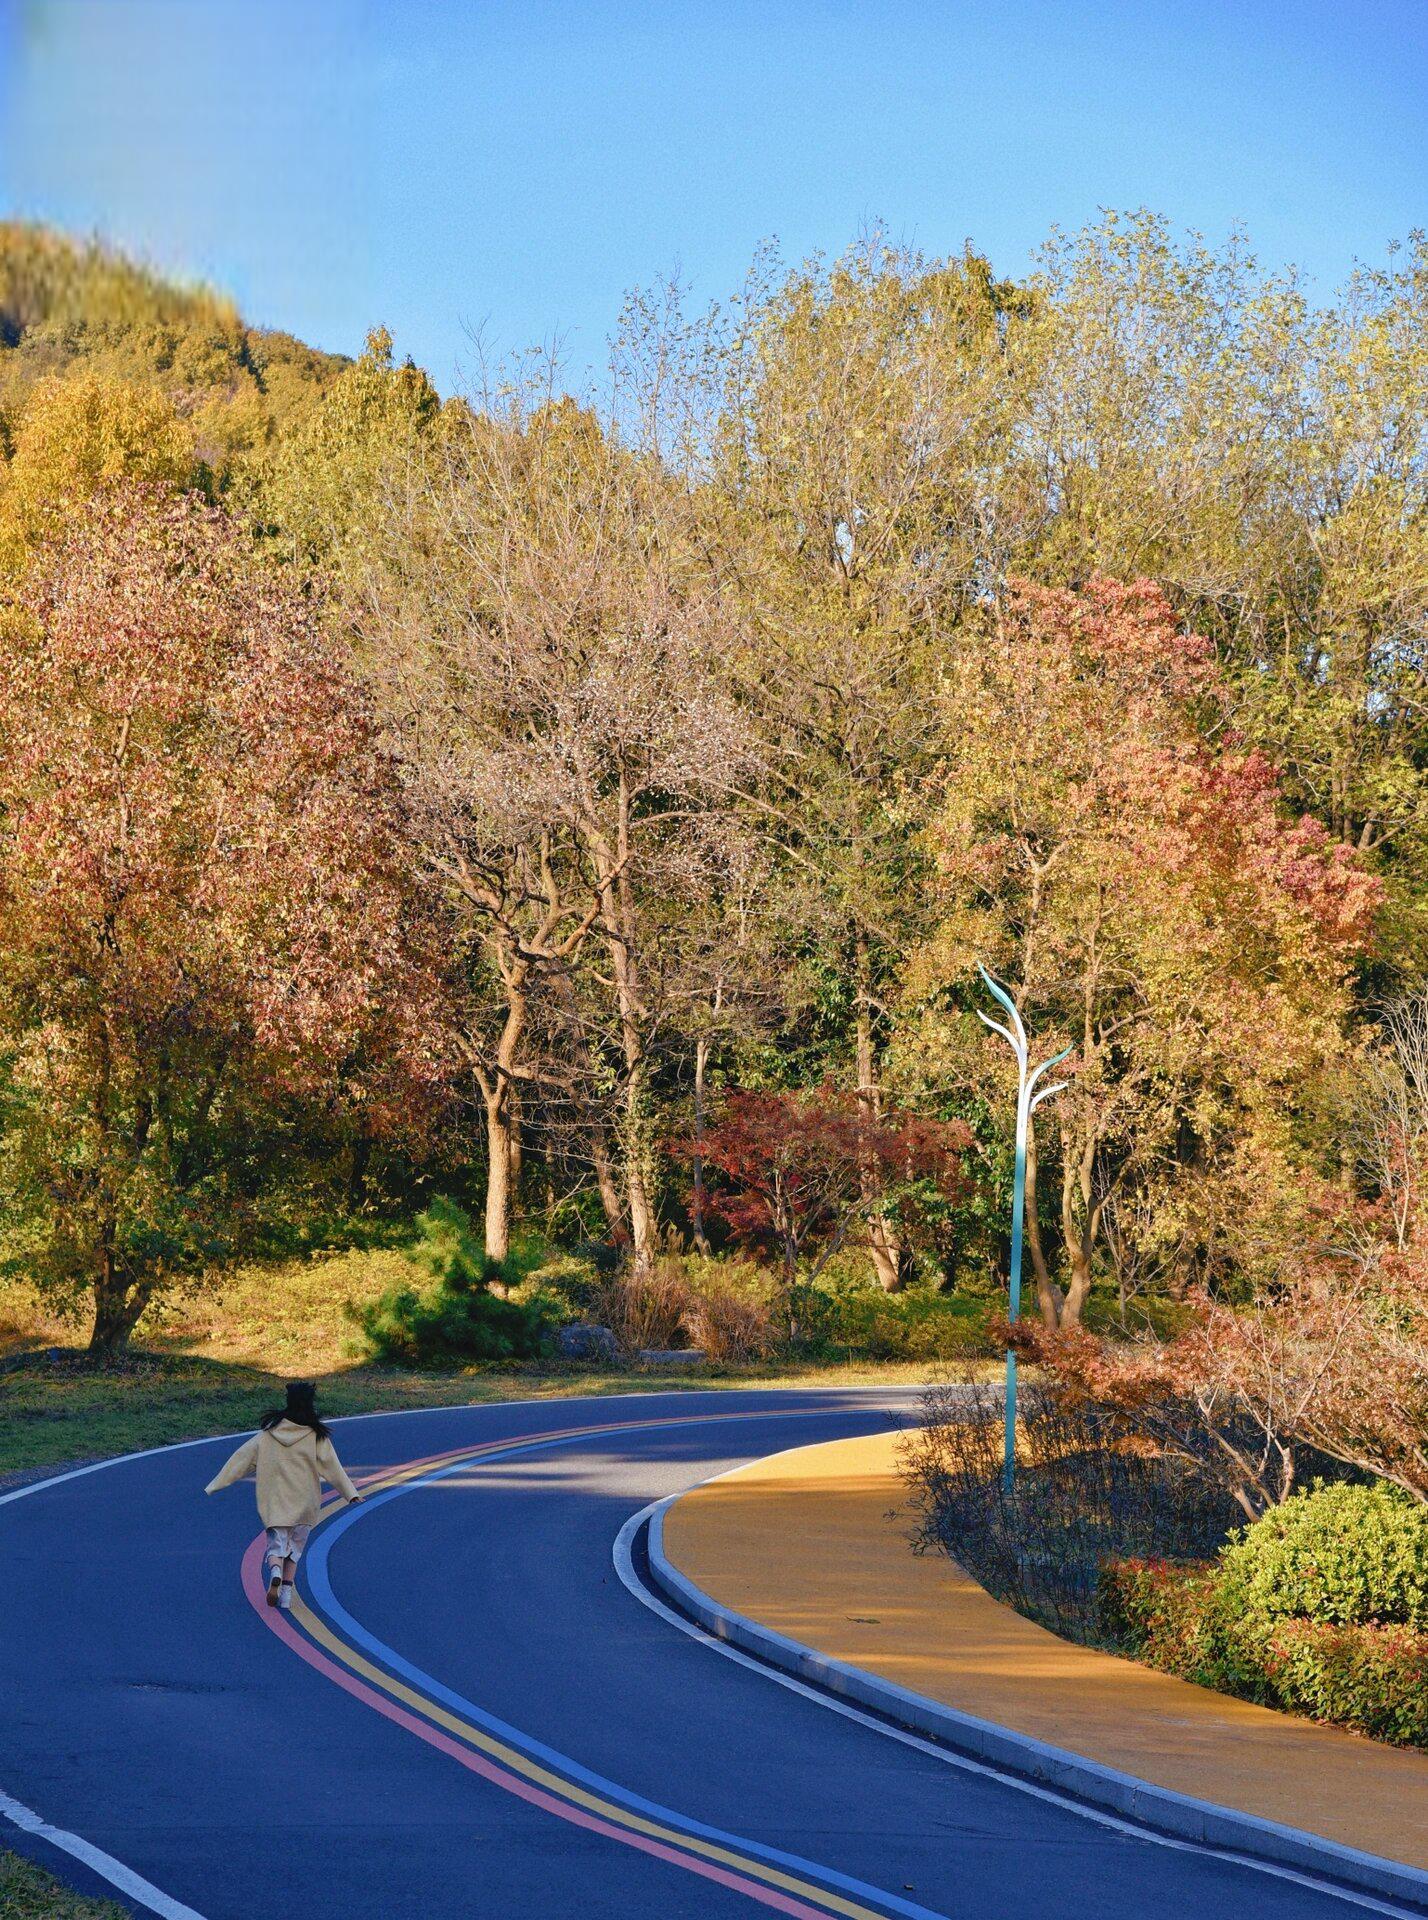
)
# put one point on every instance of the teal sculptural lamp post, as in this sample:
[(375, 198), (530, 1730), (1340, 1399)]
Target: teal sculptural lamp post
[(1028, 1099)]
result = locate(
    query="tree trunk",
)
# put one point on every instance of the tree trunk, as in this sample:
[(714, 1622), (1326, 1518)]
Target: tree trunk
[(886, 1254), (637, 1196), (358, 1161), (498, 1172), (605, 1183), (1048, 1294), (696, 1195), (601, 1159), (620, 924), (117, 1308), (1079, 1261), (498, 1090), (1079, 1224), (517, 1150), (118, 1303), (883, 1248)]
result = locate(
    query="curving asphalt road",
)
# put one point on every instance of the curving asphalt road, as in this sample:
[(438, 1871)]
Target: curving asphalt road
[(469, 1714)]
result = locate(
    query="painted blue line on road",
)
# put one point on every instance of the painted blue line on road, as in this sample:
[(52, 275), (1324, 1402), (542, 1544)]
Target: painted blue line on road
[(319, 1582)]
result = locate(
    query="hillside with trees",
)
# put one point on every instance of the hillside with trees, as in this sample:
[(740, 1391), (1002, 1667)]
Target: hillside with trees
[(591, 810), (68, 311)]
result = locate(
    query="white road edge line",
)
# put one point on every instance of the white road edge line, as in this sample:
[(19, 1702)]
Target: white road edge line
[(114, 1871), (623, 1558), (104, 1864)]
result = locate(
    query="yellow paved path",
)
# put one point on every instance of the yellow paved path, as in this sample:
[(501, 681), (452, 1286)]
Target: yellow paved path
[(807, 1543)]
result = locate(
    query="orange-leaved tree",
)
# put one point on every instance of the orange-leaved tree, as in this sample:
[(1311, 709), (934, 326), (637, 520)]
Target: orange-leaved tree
[(1106, 846), (203, 915)]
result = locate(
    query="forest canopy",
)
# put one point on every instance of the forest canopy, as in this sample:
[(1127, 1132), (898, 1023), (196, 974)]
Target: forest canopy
[(663, 761)]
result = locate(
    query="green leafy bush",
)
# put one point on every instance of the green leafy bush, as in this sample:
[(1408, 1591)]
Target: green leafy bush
[(568, 1283), (455, 1316), (1371, 1678), (1340, 1554), (1202, 1623), (917, 1324), (1185, 1620)]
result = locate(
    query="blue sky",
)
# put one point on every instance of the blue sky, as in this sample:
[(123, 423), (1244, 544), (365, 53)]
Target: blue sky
[(436, 165)]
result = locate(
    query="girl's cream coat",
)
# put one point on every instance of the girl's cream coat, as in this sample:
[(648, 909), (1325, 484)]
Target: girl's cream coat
[(290, 1463)]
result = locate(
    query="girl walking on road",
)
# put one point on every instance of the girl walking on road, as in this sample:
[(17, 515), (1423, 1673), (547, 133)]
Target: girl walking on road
[(290, 1456)]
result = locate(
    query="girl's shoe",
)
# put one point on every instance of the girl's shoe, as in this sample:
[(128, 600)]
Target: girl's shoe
[(275, 1582), (285, 1598)]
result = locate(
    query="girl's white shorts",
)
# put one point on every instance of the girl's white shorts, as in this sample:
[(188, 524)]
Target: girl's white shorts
[(286, 1543)]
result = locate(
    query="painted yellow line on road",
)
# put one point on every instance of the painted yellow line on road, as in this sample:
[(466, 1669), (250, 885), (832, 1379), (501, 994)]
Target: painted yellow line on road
[(511, 1757)]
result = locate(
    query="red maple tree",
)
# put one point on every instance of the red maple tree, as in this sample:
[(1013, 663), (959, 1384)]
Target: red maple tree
[(794, 1170)]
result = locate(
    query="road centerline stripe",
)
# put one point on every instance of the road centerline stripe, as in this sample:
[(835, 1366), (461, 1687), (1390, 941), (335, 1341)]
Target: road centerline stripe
[(756, 1871)]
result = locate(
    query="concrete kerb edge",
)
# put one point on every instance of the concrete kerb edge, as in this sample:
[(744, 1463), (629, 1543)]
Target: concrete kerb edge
[(1159, 1808)]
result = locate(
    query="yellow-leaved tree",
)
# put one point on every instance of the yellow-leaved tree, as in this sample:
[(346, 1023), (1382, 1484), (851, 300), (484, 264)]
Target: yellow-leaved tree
[(77, 434)]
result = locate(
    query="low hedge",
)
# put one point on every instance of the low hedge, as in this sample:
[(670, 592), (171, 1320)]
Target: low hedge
[(1320, 1607), (1371, 1678), (1185, 1620)]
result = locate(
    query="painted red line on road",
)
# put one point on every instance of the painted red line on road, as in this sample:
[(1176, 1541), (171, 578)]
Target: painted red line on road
[(488, 1769)]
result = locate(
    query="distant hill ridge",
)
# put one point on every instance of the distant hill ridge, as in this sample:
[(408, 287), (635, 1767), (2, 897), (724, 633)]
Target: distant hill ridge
[(67, 306)]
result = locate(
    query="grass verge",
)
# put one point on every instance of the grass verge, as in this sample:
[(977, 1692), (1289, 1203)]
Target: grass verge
[(29, 1893), (212, 1361), (286, 1316), (63, 1409)]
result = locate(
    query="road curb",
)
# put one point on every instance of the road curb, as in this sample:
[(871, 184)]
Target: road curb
[(1159, 1808)]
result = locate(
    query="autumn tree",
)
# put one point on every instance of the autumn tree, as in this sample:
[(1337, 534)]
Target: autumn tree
[(792, 1170), (1330, 1359), (725, 741), (1153, 907), (1260, 453), (204, 918), (76, 435), (859, 401), (80, 312), (322, 491), (542, 640)]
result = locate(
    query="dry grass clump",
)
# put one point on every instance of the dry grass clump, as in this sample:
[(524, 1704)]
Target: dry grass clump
[(724, 1308)]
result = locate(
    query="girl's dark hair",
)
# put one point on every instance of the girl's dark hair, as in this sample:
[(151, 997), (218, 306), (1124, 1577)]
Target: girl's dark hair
[(301, 1409)]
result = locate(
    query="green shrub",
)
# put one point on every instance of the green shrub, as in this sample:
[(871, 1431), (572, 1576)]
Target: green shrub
[(917, 1324), (1371, 1678), (446, 1248), (455, 1317), (1198, 1623), (1340, 1555), (1183, 1619), (567, 1283), (1156, 1604)]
